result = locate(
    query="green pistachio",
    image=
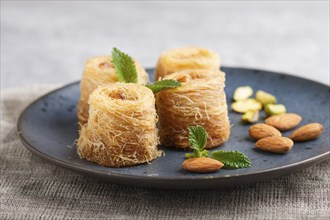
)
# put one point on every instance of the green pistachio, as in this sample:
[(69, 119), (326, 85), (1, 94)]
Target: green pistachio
[(246, 105), (265, 98), (250, 116), (275, 109), (242, 93)]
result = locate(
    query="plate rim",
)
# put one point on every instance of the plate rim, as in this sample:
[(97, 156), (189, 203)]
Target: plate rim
[(286, 169)]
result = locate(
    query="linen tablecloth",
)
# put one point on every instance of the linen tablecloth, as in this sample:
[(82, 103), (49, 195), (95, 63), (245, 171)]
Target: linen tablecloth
[(31, 188)]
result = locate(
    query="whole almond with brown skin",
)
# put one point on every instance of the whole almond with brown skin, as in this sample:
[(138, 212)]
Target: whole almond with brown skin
[(307, 132), (202, 165), (259, 131), (284, 121), (275, 144)]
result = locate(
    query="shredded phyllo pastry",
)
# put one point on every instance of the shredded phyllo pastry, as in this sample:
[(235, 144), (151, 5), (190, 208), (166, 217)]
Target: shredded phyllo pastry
[(100, 71), (200, 100), (184, 58), (121, 128)]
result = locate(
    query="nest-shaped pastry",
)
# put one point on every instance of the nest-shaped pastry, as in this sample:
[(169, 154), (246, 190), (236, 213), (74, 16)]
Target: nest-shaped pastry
[(201, 100), (99, 71), (184, 58), (121, 128)]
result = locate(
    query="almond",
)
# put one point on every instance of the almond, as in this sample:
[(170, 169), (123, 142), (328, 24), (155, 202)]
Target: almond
[(202, 165), (284, 122), (275, 144), (259, 131), (307, 132)]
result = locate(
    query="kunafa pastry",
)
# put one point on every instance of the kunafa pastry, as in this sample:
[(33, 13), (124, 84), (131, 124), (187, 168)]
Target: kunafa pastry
[(121, 128), (200, 100), (184, 58), (99, 71)]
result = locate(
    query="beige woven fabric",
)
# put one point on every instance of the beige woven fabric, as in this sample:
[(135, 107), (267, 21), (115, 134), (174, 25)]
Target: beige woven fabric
[(31, 188)]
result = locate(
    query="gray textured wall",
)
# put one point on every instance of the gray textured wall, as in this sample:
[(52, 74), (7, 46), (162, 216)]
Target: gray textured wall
[(47, 42)]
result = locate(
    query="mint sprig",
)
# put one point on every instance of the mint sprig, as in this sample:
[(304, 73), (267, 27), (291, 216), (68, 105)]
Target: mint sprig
[(197, 140), (124, 66), (232, 159), (163, 84)]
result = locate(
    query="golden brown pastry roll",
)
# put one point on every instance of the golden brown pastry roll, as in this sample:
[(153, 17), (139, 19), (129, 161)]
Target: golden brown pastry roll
[(184, 58), (99, 71), (121, 128), (200, 100)]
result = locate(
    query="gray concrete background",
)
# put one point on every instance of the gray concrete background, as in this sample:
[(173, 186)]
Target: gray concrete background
[(47, 42)]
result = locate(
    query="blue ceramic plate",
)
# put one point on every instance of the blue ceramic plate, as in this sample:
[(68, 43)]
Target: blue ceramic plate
[(48, 128)]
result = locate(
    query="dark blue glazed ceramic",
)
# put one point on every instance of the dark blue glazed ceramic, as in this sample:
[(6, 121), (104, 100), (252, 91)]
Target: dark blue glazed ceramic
[(48, 128)]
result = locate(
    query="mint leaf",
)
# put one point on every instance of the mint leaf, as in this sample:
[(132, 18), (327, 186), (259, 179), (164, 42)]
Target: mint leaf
[(232, 159), (197, 137), (197, 141), (163, 84), (124, 66)]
